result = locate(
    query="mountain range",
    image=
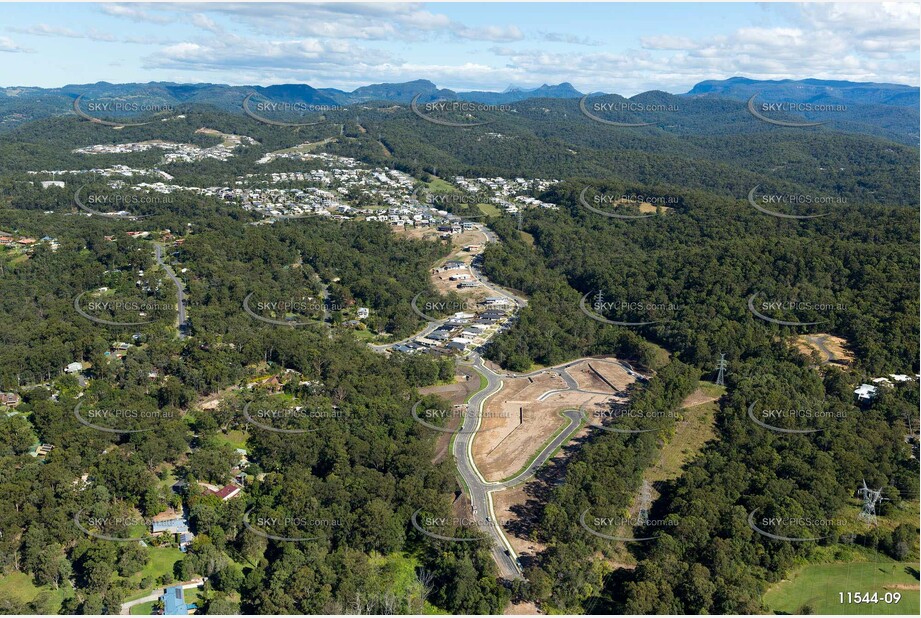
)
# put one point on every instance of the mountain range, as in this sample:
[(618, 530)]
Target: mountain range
[(886, 110)]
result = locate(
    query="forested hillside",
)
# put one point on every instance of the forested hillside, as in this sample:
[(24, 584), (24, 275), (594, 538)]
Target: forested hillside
[(669, 293)]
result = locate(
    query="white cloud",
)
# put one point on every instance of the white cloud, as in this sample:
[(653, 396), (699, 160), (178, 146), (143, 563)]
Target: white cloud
[(301, 59), (200, 20), (667, 42), (569, 38), (7, 45), (60, 31), (496, 34), (319, 43), (135, 13)]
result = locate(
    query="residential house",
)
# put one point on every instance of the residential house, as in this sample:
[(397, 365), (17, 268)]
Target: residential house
[(865, 392), (227, 492), (459, 343), (174, 603), (169, 521)]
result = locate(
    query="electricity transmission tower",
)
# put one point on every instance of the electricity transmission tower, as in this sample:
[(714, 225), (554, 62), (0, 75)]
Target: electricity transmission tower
[(599, 301), (870, 498), (645, 501), (721, 366)]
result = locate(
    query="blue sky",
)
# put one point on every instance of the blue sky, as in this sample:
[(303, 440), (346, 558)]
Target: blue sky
[(619, 47)]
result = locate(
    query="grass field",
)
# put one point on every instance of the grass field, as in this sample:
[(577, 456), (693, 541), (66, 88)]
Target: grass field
[(234, 438), (489, 209), (441, 186), (528, 238), (161, 562), (691, 434), (144, 609), (815, 589), (19, 588)]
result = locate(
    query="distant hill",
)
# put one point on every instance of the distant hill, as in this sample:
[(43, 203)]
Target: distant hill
[(883, 110), (511, 95), (20, 105), (405, 92), (395, 93), (811, 91)]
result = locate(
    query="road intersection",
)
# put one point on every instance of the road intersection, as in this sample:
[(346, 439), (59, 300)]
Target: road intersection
[(479, 489)]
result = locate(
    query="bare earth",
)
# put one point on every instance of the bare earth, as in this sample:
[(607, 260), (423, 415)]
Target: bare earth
[(505, 505), (840, 355), (696, 398), (521, 609), (442, 280), (525, 413)]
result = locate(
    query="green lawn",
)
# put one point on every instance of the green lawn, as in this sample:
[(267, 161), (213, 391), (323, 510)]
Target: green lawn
[(440, 186), (483, 384), (817, 586), (234, 438), (161, 562), (194, 595), (489, 209), (144, 609), (19, 587)]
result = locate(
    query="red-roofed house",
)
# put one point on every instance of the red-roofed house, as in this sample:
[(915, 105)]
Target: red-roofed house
[(227, 492)]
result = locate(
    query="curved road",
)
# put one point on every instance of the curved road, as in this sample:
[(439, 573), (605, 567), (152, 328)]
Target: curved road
[(819, 342), (479, 277), (181, 321), (479, 489)]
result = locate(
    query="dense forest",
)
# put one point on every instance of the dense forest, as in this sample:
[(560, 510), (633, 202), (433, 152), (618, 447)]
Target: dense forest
[(691, 271), (687, 274), (367, 472)]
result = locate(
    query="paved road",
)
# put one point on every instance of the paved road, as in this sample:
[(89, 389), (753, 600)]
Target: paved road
[(477, 488), (481, 278), (820, 343), (429, 328), (481, 490), (181, 320)]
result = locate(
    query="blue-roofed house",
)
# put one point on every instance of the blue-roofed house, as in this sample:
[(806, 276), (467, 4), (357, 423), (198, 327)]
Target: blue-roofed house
[(174, 602), (169, 521)]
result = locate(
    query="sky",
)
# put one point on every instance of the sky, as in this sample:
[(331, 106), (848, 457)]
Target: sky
[(625, 48)]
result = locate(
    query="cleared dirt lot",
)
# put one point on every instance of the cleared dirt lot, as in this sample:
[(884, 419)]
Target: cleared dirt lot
[(442, 280), (522, 416), (522, 609), (599, 374), (835, 352), (510, 507)]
